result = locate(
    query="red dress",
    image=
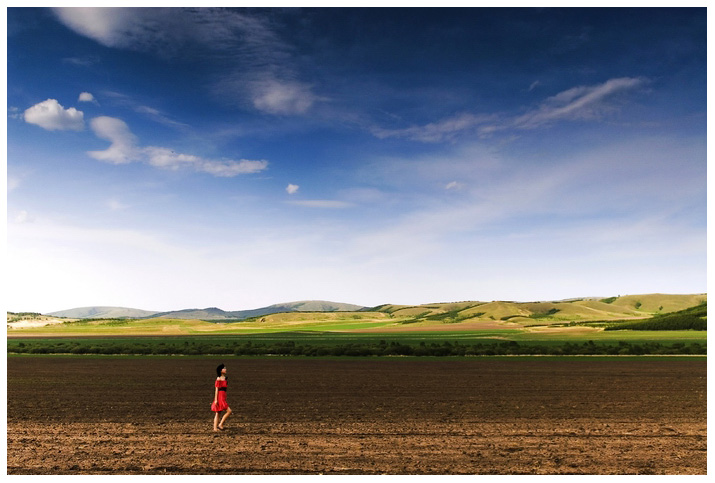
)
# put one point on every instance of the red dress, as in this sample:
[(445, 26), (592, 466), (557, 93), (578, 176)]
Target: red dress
[(221, 404)]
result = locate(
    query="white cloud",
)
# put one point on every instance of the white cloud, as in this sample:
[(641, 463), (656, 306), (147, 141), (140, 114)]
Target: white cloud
[(584, 102), (266, 77), (23, 216), (123, 143), (230, 168), (82, 61), (152, 113), (505, 199), (52, 116), (116, 205), (443, 130), (578, 103), (364, 196), (167, 159), (281, 97), (165, 31), (95, 23), (14, 113), (124, 149), (159, 116), (453, 185), (87, 97), (116, 27), (292, 189), (12, 183)]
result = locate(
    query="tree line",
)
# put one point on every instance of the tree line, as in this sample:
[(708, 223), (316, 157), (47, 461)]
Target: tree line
[(382, 348), (693, 318)]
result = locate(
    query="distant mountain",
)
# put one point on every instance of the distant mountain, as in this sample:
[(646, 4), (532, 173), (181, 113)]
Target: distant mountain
[(302, 306), (587, 308), (211, 313), (200, 314), (103, 313)]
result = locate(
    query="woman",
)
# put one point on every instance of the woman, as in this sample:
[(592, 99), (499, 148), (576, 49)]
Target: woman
[(220, 403)]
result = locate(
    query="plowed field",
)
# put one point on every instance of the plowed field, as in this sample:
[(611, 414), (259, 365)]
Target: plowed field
[(75, 415)]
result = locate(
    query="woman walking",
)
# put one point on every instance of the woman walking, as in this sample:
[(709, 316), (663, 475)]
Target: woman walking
[(220, 403)]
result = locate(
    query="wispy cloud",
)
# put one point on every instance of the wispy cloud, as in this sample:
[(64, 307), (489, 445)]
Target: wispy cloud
[(133, 28), (82, 61), (157, 116), (444, 130), (276, 96), (23, 216), (508, 198), (116, 205), (259, 64), (292, 189), (12, 183), (329, 204), (168, 159), (124, 149), (52, 116), (15, 113), (152, 113), (576, 104), (454, 185)]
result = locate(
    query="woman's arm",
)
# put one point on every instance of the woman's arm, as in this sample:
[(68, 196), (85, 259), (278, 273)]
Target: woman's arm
[(216, 395)]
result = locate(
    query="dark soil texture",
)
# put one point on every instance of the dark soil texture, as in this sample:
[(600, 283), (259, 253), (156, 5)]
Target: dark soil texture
[(508, 415)]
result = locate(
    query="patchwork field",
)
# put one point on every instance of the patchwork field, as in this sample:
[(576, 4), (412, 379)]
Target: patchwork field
[(581, 318), (515, 415)]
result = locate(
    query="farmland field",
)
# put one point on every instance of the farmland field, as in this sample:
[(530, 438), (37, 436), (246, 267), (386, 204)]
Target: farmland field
[(515, 415), (422, 343)]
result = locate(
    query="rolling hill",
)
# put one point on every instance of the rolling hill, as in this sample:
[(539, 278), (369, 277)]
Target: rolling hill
[(564, 318), (102, 313), (523, 313), (585, 309), (211, 313)]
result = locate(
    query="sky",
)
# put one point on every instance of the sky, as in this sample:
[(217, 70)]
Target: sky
[(172, 158)]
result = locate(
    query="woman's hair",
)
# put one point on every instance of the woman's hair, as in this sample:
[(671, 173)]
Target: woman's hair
[(218, 370)]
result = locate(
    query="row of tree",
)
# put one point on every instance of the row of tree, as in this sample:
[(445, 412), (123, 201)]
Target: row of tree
[(360, 349), (693, 318)]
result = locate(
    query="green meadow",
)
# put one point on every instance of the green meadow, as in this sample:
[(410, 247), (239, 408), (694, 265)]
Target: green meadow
[(467, 328), (316, 343)]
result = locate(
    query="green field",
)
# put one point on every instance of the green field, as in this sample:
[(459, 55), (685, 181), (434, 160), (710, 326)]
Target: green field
[(406, 344), (456, 329)]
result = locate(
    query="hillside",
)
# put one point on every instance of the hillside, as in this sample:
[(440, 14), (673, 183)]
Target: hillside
[(211, 313), (629, 307), (302, 306), (32, 319), (103, 313), (693, 318), (572, 310), (216, 314), (658, 303), (578, 317)]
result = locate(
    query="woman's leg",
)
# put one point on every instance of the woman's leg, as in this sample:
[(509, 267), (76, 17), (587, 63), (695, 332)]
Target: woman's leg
[(216, 421), (227, 414)]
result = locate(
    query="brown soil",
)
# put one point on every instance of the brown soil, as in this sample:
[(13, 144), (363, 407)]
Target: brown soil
[(535, 415)]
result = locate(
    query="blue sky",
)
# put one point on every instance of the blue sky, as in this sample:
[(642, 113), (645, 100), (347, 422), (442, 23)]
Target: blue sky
[(173, 158)]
